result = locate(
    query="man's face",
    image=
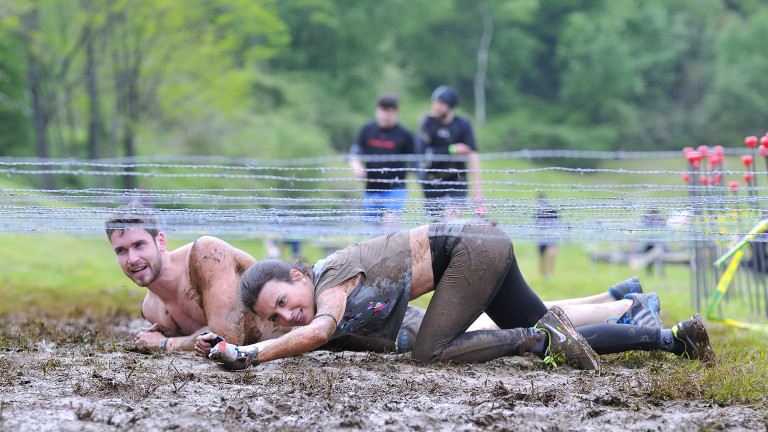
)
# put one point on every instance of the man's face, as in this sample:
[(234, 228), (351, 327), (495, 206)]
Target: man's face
[(139, 255), (386, 117), (440, 109)]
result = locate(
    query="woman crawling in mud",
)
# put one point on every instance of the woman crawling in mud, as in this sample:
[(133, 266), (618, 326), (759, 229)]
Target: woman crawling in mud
[(364, 289)]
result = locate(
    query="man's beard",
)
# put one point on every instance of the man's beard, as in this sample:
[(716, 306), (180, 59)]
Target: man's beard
[(156, 267)]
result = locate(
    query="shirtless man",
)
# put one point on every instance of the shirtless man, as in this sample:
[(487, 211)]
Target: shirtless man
[(189, 290), (195, 288)]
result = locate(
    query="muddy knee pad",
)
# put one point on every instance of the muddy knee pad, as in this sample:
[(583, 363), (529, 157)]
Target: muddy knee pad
[(409, 329)]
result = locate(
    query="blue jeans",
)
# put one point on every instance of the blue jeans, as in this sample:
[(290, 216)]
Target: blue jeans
[(390, 201)]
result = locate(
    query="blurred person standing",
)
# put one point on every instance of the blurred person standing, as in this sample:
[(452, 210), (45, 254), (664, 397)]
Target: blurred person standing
[(381, 141), (441, 134), (545, 219)]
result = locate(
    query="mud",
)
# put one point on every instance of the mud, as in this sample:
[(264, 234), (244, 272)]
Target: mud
[(85, 376)]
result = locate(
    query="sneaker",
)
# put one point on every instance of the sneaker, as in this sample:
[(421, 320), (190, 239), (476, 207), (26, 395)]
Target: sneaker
[(629, 286), (692, 333), (643, 312), (565, 345)]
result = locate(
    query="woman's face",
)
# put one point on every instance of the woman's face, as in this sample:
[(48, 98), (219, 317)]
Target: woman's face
[(287, 304)]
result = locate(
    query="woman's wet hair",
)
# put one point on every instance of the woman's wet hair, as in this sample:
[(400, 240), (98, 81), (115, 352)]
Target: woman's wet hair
[(257, 275)]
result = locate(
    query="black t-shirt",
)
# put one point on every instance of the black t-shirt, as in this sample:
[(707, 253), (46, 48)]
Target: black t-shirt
[(436, 139), (376, 141)]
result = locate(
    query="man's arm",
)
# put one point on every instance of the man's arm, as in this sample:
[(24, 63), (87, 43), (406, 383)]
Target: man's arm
[(468, 146), (153, 310), (473, 161), (183, 343), (215, 267), (354, 161), (354, 155)]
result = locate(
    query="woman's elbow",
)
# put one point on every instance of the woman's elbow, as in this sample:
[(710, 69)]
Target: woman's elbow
[(319, 337)]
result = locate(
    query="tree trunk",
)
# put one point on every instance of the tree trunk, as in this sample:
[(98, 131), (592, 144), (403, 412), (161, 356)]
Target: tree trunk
[(482, 63), (94, 111), (94, 135), (39, 114)]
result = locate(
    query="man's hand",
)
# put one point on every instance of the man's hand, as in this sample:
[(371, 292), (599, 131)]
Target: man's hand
[(149, 338), (357, 169), (233, 357), (205, 342), (461, 148)]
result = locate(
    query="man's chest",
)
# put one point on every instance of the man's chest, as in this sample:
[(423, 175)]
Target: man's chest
[(184, 319)]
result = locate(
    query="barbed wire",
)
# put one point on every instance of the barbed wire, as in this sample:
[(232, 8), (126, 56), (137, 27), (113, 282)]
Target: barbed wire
[(330, 205)]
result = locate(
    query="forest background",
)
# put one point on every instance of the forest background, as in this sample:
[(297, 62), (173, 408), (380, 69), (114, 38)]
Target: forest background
[(268, 79)]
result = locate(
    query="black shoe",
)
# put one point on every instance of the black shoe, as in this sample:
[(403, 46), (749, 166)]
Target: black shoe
[(566, 345), (693, 335)]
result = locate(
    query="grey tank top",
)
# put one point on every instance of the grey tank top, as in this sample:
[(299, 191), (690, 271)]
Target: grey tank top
[(377, 305)]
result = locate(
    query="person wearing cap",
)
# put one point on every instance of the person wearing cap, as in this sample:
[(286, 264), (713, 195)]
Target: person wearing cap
[(441, 135), (378, 144)]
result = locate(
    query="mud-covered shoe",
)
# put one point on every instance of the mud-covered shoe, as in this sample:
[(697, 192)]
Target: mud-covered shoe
[(565, 345), (693, 335), (629, 286), (643, 312)]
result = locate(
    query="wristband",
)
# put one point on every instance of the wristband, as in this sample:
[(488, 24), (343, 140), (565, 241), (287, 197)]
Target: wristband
[(162, 344), (335, 323), (452, 149), (250, 354)]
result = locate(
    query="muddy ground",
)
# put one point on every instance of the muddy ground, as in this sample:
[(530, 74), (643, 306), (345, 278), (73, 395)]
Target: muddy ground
[(85, 376)]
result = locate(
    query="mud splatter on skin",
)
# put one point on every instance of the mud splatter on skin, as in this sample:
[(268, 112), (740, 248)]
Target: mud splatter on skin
[(421, 262), (209, 258), (199, 269)]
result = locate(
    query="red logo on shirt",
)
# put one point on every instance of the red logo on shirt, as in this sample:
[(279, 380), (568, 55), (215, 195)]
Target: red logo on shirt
[(381, 143)]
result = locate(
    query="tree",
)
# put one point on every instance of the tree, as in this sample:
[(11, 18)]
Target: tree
[(482, 63), (164, 52), (51, 43), (15, 113), (736, 105), (624, 63)]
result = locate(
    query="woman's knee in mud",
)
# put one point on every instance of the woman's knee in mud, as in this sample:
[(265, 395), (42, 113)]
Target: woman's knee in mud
[(425, 355)]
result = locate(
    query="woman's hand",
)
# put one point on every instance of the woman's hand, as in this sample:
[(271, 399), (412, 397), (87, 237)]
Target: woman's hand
[(234, 357)]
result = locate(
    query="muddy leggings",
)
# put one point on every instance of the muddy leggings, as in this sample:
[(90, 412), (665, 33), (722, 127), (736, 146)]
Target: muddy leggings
[(475, 270)]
